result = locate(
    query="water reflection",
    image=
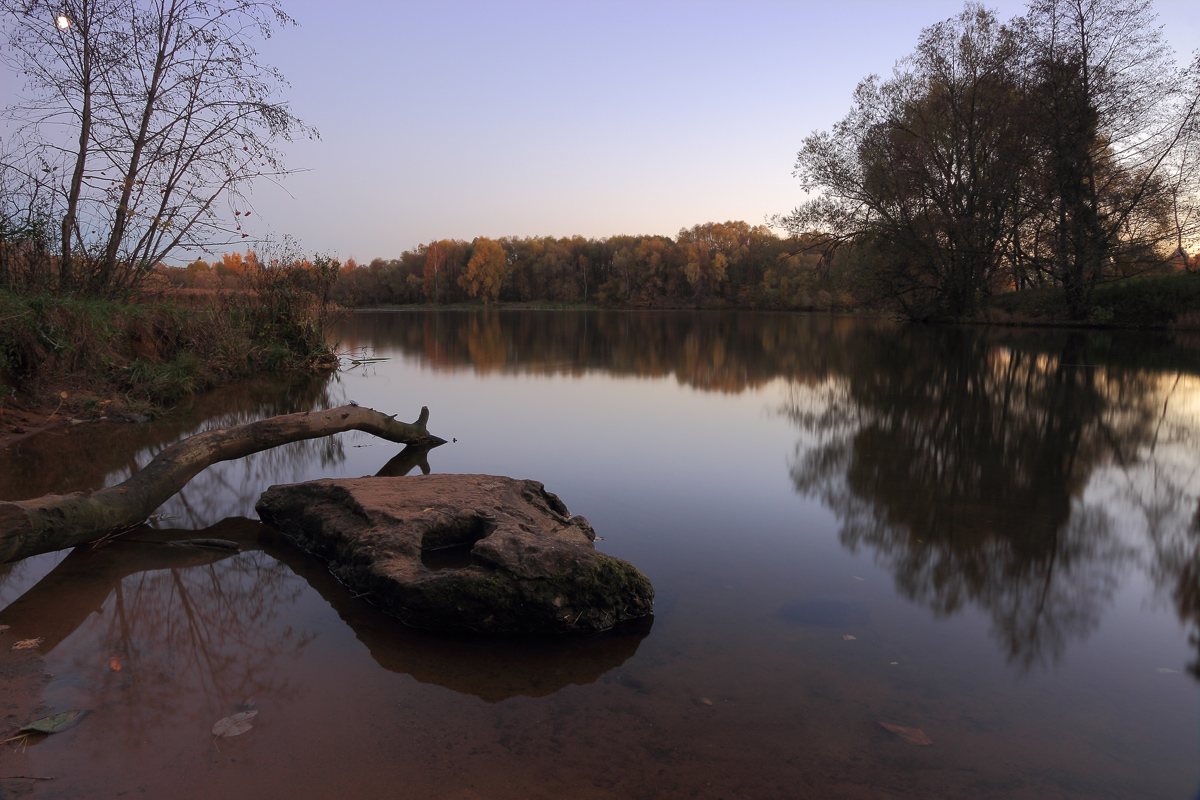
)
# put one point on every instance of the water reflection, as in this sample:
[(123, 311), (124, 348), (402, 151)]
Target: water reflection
[(1026, 473), (713, 351), (408, 459), (962, 464), (723, 352), (1046, 479), (210, 620), (491, 669), (1023, 473), (193, 630), (93, 455)]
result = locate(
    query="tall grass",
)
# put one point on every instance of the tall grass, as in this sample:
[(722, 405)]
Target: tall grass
[(158, 350)]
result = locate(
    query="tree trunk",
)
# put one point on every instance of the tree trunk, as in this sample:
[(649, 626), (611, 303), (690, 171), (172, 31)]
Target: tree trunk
[(56, 522), (153, 98), (65, 277)]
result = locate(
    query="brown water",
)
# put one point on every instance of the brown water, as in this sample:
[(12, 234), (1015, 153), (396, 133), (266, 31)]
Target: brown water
[(1006, 523)]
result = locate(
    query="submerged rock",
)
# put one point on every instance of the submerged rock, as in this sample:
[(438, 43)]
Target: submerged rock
[(477, 552)]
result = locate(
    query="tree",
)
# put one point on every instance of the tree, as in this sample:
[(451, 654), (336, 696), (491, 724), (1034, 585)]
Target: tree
[(1111, 112), (486, 270), (170, 119), (926, 167), (1057, 149)]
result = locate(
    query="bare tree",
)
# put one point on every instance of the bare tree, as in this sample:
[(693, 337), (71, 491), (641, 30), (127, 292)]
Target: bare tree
[(1114, 109), (163, 116), (1060, 148)]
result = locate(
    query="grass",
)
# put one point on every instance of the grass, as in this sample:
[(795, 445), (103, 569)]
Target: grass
[(151, 353), (1151, 301)]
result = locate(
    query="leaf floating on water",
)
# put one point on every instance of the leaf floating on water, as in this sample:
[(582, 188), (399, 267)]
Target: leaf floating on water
[(910, 735), (847, 637), (54, 723), (706, 701), (234, 725), (46, 725), (25, 644), (114, 664), (1167, 671)]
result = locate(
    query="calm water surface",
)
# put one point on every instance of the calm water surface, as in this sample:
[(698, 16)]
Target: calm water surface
[(991, 536)]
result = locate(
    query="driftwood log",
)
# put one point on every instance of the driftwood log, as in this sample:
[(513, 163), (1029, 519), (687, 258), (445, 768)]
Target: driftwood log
[(56, 522)]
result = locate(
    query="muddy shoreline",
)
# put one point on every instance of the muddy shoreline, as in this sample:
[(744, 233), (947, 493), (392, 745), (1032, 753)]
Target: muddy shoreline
[(18, 422)]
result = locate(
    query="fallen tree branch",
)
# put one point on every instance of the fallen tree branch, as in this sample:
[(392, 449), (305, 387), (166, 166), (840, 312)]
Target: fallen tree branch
[(56, 522)]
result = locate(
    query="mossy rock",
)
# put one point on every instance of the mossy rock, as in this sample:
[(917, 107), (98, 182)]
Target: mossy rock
[(469, 552)]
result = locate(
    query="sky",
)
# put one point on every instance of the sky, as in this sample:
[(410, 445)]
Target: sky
[(463, 119)]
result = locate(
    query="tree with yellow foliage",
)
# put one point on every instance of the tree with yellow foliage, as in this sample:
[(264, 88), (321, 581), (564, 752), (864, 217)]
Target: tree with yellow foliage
[(486, 270)]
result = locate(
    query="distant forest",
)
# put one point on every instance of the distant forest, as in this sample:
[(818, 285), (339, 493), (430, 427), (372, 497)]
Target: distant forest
[(709, 265)]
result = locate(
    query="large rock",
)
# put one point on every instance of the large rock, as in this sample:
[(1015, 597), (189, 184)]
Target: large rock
[(477, 552)]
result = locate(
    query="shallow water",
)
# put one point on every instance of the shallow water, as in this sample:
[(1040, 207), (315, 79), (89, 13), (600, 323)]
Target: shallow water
[(992, 536)]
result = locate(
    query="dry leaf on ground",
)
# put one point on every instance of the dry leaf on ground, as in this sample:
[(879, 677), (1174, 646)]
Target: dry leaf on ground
[(25, 644), (234, 725), (114, 664), (911, 735)]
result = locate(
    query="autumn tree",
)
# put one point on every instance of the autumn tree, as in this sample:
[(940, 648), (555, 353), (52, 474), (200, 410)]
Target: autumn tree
[(443, 261), (926, 167), (486, 270), (730, 261), (168, 119)]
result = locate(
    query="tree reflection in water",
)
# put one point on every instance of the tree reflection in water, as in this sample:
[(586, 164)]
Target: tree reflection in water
[(196, 631), (962, 462), (959, 456)]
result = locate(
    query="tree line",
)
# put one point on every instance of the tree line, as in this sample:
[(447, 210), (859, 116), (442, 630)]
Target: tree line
[(1058, 149), (709, 265)]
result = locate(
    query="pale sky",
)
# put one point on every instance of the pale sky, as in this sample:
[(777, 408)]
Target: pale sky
[(463, 119)]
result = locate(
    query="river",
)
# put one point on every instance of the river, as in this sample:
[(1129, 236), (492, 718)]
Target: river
[(988, 535)]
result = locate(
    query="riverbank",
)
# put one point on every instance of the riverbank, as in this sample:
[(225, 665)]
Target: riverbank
[(1166, 302), (64, 359), (1153, 302)]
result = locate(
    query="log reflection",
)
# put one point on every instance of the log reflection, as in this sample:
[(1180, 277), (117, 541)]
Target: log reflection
[(410, 458), (961, 463), (83, 457), (199, 630), (193, 630)]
